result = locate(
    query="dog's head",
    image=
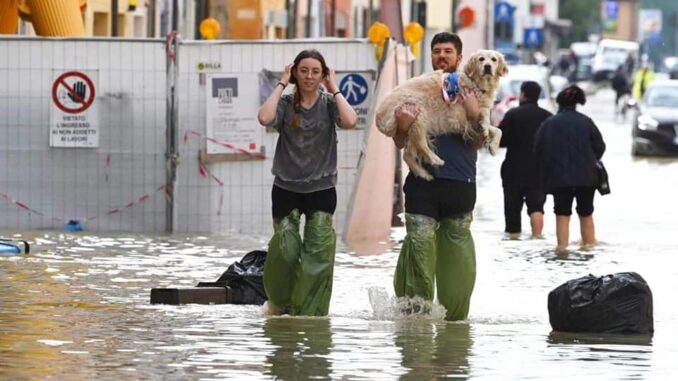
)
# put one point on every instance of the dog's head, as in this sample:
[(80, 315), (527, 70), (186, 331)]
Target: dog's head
[(486, 63)]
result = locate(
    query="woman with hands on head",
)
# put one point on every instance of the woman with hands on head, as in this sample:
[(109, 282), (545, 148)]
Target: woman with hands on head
[(298, 273)]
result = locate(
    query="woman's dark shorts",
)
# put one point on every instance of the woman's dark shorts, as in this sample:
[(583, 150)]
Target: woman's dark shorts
[(563, 197), (284, 201)]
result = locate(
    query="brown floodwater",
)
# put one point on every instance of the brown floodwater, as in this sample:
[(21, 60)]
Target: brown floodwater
[(77, 307)]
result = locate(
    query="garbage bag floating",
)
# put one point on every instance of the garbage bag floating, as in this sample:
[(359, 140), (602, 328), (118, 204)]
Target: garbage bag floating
[(616, 303)]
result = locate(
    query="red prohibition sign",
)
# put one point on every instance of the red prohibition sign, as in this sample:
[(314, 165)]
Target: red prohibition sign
[(61, 80)]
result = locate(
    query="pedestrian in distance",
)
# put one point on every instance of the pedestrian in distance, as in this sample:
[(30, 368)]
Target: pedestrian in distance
[(568, 146), (438, 248), (620, 85), (643, 77), (298, 273), (520, 169)]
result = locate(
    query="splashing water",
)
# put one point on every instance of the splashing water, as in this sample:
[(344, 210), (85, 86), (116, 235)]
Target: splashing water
[(386, 307)]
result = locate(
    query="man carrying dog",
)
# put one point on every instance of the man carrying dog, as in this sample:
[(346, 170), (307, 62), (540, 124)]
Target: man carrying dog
[(438, 213), (520, 169)]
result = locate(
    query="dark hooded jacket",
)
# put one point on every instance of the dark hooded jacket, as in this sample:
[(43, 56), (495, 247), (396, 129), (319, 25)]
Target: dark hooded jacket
[(568, 145)]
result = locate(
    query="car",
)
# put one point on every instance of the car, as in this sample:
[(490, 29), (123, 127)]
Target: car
[(611, 54), (509, 90), (583, 53), (655, 125)]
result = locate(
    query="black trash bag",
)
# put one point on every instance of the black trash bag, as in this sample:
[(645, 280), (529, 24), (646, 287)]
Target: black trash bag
[(617, 303), (245, 279)]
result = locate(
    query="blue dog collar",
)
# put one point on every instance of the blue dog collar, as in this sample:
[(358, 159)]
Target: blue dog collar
[(452, 85)]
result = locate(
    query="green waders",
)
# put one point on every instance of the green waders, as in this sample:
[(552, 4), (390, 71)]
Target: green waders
[(456, 266), (442, 251), (282, 260), (416, 266), (299, 276), (314, 288)]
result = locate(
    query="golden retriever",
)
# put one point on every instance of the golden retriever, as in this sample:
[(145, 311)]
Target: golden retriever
[(440, 116)]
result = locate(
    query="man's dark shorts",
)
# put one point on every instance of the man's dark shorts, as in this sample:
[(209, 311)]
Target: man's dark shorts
[(284, 201), (439, 198)]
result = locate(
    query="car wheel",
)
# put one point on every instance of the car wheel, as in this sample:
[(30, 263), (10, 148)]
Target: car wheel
[(636, 149)]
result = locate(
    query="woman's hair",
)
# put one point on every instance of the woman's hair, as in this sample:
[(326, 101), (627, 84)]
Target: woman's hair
[(308, 53), (570, 96)]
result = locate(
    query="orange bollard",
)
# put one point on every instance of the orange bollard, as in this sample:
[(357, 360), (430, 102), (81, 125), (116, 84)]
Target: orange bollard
[(51, 18), (9, 16)]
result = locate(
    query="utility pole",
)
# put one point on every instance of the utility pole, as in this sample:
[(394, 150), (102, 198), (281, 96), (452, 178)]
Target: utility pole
[(291, 7), (114, 18), (333, 18), (309, 8)]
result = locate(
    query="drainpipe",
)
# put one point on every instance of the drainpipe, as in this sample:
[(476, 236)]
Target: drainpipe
[(9, 17), (49, 19)]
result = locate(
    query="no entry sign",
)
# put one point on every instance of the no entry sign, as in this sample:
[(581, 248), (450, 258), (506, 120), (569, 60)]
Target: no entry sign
[(73, 119), (77, 87)]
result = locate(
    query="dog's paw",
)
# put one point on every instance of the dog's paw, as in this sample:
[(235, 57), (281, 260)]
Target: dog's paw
[(437, 162), (426, 176), (493, 147)]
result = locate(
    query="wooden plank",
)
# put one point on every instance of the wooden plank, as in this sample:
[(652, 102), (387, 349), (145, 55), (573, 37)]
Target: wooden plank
[(198, 295)]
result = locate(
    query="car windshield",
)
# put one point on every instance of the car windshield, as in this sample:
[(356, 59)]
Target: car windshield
[(615, 55), (662, 97)]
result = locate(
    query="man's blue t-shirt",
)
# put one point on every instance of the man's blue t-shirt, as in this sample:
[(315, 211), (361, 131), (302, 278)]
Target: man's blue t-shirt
[(460, 158)]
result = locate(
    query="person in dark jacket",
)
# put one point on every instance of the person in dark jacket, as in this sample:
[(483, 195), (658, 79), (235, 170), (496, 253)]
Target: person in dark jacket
[(568, 145), (520, 170), (620, 85)]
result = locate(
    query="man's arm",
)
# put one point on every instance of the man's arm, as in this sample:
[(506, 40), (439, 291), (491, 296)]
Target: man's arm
[(471, 106), (405, 115)]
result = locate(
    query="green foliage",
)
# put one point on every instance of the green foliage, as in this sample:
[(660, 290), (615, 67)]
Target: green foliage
[(585, 16)]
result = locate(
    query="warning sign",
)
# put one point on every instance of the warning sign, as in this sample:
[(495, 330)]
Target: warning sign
[(73, 120)]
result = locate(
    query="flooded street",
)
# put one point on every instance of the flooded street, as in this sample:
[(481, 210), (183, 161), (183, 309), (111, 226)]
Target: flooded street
[(77, 307)]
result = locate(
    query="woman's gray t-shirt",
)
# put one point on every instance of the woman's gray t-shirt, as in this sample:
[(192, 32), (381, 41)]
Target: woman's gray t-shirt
[(305, 158)]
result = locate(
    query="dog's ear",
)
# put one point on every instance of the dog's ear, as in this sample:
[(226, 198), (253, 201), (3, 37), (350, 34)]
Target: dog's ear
[(472, 68), (502, 67)]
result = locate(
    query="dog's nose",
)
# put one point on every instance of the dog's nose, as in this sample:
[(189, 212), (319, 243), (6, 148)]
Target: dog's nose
[(487, 69)]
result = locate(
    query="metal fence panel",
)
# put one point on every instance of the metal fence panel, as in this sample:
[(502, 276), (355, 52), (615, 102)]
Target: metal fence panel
[(121, 184), (114, 187), (243, 203)]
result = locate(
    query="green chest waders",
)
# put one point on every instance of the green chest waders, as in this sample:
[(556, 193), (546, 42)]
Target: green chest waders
[(456, 266), (417, 261), (298, 276), (282, 260), (311, 296)]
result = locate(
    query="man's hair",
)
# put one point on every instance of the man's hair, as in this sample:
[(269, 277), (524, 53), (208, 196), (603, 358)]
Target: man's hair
[(444, 37), (531, 89)]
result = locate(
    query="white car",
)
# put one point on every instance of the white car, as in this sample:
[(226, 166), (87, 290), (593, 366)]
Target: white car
[(509, 90)]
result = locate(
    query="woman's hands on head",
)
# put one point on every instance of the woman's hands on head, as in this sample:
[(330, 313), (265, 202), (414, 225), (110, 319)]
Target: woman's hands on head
[(330, 82), (286, 75)]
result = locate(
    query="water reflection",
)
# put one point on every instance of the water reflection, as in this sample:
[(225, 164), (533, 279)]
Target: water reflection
[(599, 338), (433, 349), (301, 348)]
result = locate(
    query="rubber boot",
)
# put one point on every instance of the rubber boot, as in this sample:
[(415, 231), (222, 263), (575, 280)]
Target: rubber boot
[(456, 266), (282, 262), (417, 261), (314, 286)]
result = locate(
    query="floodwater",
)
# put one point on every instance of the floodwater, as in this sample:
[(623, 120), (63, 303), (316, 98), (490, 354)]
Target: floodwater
[(77, 308)]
